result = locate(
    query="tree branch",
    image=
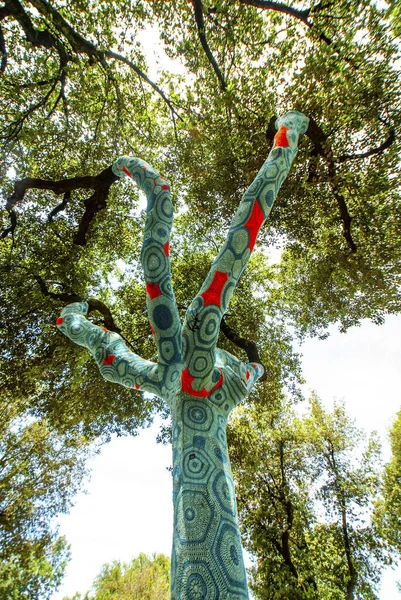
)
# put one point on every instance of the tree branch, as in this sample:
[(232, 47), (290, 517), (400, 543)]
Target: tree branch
[(4, 12), (301, 15), (83, 46), (287, 504), (15, 126), (353, 574), (386, 144), (63, 296), (200, 23), (3, 51), (250, 347), (11, 229), (143, 76), (95, 203), (59, 207), (93, 303), (100, 183), (322, 148), (36, 37), (77, 42)]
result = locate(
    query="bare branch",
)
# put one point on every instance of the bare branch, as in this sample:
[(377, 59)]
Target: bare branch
[(344, 214), (100, 183), (301, 15), (93, 304), (322, 148), (4, 12), (3, 51), (63, 296), (386, 144), (11, 229), (58, 187), (78, 43), (200, 23), (250, 347), (95, 203), (37, 37), (59, 207)]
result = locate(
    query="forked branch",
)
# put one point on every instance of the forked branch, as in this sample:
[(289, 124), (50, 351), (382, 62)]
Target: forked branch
[(76, 43), (250, 347), (68, 298), (100, 184)]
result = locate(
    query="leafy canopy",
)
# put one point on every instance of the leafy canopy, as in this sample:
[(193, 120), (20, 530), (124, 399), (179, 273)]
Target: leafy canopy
[(144, 578), (306, 488)]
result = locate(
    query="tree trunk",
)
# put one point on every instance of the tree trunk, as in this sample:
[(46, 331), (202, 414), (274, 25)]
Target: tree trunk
[(207, 560)]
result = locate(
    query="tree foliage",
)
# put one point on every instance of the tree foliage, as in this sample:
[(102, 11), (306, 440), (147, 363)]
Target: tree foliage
[(40, 472), (247, 60), (337, 63), (388, 508), (306, 488), (144, 578)]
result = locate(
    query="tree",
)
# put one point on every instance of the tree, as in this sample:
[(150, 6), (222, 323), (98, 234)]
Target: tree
[(388, 508), (144, 578), (351, 483), (40, 471), (200, 382), (306, 491), (273, 476), (75, 95)]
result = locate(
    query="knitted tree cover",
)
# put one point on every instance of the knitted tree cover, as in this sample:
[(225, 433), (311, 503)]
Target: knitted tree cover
[(200, 382)]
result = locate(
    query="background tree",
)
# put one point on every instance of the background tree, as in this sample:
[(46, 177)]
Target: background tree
[(144, 578), (388, 509), (306, 488), (40, 472)]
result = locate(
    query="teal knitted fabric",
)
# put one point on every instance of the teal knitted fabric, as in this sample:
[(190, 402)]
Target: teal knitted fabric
[(200, 382)]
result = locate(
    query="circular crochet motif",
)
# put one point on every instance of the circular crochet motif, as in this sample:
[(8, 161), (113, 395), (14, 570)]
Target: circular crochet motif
[(198, 578), (190, 514), (196, 587), (196, 466), (197, 415), (223, 489), (227, 551), (195, 505)]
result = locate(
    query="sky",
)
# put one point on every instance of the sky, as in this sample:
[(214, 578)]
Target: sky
[(128, 506)]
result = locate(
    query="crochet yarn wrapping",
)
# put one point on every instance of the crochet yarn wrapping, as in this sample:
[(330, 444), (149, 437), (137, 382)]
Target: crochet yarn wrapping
[(200, 382)]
